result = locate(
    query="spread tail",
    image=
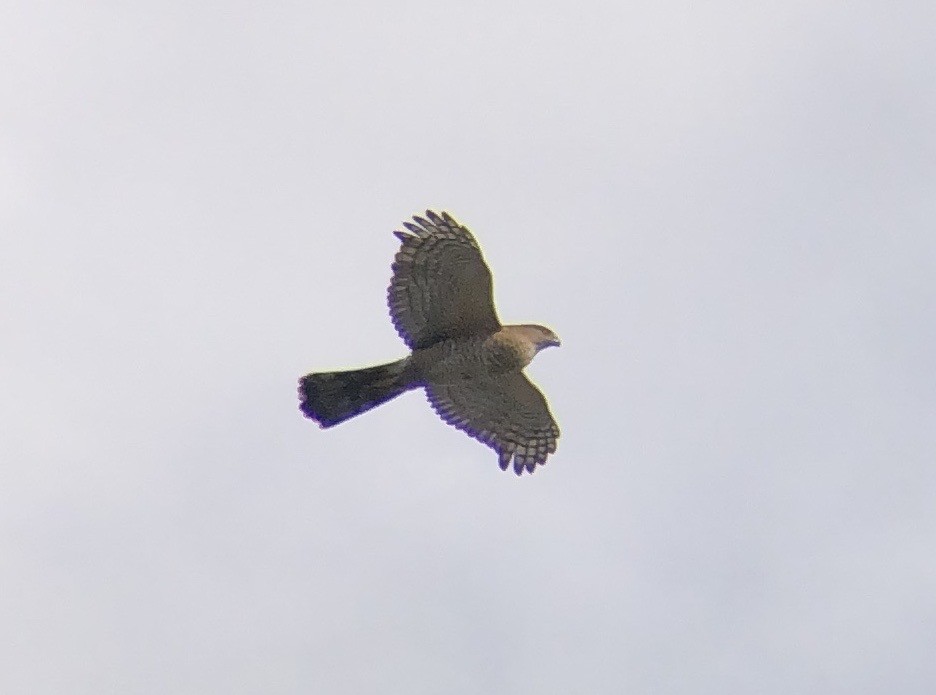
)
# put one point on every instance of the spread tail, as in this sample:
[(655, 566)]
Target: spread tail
[(333, 397)]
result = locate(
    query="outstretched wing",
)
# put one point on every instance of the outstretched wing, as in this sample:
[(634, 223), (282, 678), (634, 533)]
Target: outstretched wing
[(506, 412), (441, 286)]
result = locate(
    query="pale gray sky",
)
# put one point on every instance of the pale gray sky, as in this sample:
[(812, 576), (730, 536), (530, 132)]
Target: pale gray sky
[(726, 210)]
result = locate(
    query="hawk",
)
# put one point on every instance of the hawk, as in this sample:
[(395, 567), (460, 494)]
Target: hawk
[(471, 366)]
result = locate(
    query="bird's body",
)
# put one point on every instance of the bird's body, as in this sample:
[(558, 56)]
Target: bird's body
[(465, 358), (470, 365)]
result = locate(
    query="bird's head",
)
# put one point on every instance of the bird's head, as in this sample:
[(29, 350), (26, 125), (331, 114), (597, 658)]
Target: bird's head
[(542, 337), (526, 339)]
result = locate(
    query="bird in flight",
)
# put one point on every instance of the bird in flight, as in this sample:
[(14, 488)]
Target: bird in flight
[(471, 366)]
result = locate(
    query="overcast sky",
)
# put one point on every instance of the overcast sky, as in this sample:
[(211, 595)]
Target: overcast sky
[(726, 210)]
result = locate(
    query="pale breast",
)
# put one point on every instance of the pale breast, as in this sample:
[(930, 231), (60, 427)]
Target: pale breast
[(468, 358), (509, 350)]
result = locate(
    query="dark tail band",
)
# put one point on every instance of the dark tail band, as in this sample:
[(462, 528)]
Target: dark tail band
[(332, 397)]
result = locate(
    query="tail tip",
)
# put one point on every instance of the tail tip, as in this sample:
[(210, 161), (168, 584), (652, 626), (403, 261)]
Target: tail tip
[(308, 395)]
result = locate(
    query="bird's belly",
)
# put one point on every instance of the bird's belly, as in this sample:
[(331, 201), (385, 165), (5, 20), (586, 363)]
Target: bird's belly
[(457, 360)]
